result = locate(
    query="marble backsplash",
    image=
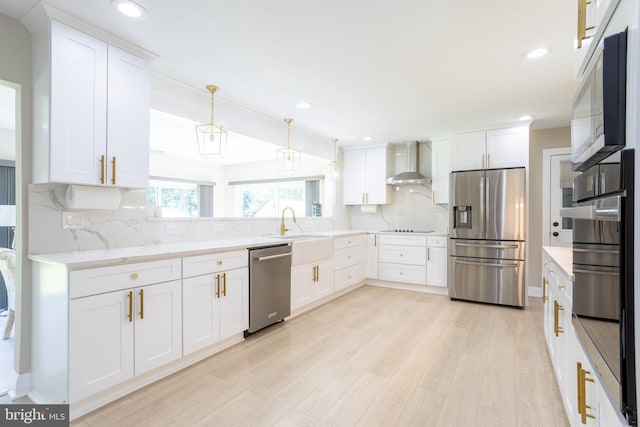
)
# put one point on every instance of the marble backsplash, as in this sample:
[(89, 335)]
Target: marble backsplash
[(133, 224)]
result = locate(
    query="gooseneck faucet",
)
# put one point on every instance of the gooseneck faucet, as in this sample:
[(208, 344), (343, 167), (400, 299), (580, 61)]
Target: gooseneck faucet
[(283, 229)]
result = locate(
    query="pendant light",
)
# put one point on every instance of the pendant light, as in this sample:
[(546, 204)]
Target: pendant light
[(335, 167), (212, 138), (288, 158)]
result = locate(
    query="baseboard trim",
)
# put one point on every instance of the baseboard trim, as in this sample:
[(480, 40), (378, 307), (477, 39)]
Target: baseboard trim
[(21, 385)]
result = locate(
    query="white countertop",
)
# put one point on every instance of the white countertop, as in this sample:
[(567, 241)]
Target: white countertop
[(563, 256), (104, 257)]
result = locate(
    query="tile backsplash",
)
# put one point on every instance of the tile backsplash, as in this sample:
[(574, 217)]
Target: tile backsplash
[(133, 224)]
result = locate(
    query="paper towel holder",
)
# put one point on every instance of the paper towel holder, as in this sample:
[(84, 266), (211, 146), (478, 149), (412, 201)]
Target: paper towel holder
[(85, 197)]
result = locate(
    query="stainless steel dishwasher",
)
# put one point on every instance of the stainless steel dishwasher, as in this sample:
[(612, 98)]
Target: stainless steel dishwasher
[(269, 285)]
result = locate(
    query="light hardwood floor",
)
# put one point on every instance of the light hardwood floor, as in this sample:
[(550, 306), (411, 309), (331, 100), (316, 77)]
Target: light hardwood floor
[(374, 357)]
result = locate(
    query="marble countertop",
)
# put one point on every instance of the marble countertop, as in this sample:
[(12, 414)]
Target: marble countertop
[(105, 257), (563, 256)]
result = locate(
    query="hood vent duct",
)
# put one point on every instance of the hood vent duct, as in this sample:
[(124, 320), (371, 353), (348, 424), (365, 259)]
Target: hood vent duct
[(412, 164)]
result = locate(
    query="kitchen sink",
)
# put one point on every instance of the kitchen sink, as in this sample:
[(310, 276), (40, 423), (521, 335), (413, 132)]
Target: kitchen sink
[(306, 248)]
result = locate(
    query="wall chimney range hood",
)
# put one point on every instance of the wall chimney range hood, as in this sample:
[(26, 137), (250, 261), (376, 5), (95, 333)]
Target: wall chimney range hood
[(412, 164)]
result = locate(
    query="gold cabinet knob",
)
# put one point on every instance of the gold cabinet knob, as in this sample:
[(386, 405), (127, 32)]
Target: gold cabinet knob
[(134, 276), (402, 273), (219, 262), (401, 254)]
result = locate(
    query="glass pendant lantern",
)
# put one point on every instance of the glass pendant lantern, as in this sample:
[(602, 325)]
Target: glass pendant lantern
[(334, 168), (288, 158), (212, 138)]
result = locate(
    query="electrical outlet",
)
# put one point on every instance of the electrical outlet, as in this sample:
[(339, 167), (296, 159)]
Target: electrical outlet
[(72, 220), (171, 229)]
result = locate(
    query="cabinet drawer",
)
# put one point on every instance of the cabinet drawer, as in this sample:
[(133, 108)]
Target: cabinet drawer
[(213, 263), (347, 276), (394, 239), (404, 273), (437, 241), (416, 255), (347, 242), (347, 257), (95, 281)]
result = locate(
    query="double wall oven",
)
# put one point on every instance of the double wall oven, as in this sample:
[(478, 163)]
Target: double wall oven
[(603, 235)]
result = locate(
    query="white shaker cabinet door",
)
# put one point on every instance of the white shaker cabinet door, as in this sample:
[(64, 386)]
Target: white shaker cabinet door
[(78, 106), (440, 168), (354, 179), (234, 302), (100, 342), (508, 148), (376, 185), (302, 282), (323, 285), (469, 151), (158, 325), (437, 266), (128, 120), (201, 312)]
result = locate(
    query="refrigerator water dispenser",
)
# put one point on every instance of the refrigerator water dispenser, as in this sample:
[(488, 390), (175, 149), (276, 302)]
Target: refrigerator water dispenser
[(462, 217)]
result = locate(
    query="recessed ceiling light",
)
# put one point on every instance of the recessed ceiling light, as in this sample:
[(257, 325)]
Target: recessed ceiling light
[(525, 117), (537, 52), (303, 105), (368, 138), (129, 8)]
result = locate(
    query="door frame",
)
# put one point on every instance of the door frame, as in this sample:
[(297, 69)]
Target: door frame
[(546, 187)]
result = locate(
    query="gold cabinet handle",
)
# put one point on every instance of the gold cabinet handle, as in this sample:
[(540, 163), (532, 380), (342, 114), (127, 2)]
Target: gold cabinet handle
[(317, 273), (141, 293), (224, 284), (375, 240), (545, 297), (130, 297), (102, 166), (363, 198), (433, 197), (562, 287), (113, 170), (488, 160), (483, 161), (217, 286), (219, 262), (428, 254), (557, 329), (367, 198), (582, 394), (134, 276)]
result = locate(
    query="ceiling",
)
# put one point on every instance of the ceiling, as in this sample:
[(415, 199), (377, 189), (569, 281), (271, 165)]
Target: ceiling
[(396, 71)]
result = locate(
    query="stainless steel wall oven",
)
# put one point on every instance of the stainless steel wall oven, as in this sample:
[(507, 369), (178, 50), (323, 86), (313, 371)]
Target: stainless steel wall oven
[(603, 289)]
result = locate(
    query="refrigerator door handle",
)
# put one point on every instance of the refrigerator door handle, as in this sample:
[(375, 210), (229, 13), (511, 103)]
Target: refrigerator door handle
[(485, 264), (474, 245)]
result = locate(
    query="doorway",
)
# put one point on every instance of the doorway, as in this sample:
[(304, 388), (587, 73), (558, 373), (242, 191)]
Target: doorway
[(8, 129), (557, 194)]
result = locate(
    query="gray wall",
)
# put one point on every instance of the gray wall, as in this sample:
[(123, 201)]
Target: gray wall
[(539, 140), (15, 67)]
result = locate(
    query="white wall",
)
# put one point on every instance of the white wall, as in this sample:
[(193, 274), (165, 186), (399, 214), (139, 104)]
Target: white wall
[(15, 66)]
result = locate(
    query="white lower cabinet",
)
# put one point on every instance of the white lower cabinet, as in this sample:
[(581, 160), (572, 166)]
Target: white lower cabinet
[(347, 261), (215, 304), (584, 398), (119, 334), (403, 259), (310, 282), (371, 256), (437, 261)]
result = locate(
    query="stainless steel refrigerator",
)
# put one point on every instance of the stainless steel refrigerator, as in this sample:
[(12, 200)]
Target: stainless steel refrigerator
[(487, 236)]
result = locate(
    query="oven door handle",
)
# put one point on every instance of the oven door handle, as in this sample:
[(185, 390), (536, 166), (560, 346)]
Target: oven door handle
[(485, 264), (598, 251), (607, 209), (603, 273)]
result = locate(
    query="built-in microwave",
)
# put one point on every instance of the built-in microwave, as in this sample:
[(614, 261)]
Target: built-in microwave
[(599, 110)]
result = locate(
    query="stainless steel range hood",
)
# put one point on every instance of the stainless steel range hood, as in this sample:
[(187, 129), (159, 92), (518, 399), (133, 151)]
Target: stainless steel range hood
[(412, 164)]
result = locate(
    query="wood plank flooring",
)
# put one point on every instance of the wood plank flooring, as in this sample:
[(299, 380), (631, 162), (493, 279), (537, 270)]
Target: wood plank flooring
[(374, 357)]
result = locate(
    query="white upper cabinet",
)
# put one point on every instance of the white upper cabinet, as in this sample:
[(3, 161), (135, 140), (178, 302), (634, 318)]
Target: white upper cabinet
[(365, 174), (469, 151), (440, 168), (91, 112), (493, 149), (507, 148), (128, 100)]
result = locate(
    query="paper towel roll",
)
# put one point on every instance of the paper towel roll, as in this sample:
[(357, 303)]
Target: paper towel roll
[(86, 197)]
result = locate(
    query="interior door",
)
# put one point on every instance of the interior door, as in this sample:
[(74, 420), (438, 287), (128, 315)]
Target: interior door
[(561, 194)]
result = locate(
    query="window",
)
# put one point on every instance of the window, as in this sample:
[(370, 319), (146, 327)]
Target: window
[(181, 199), (267, 199)]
